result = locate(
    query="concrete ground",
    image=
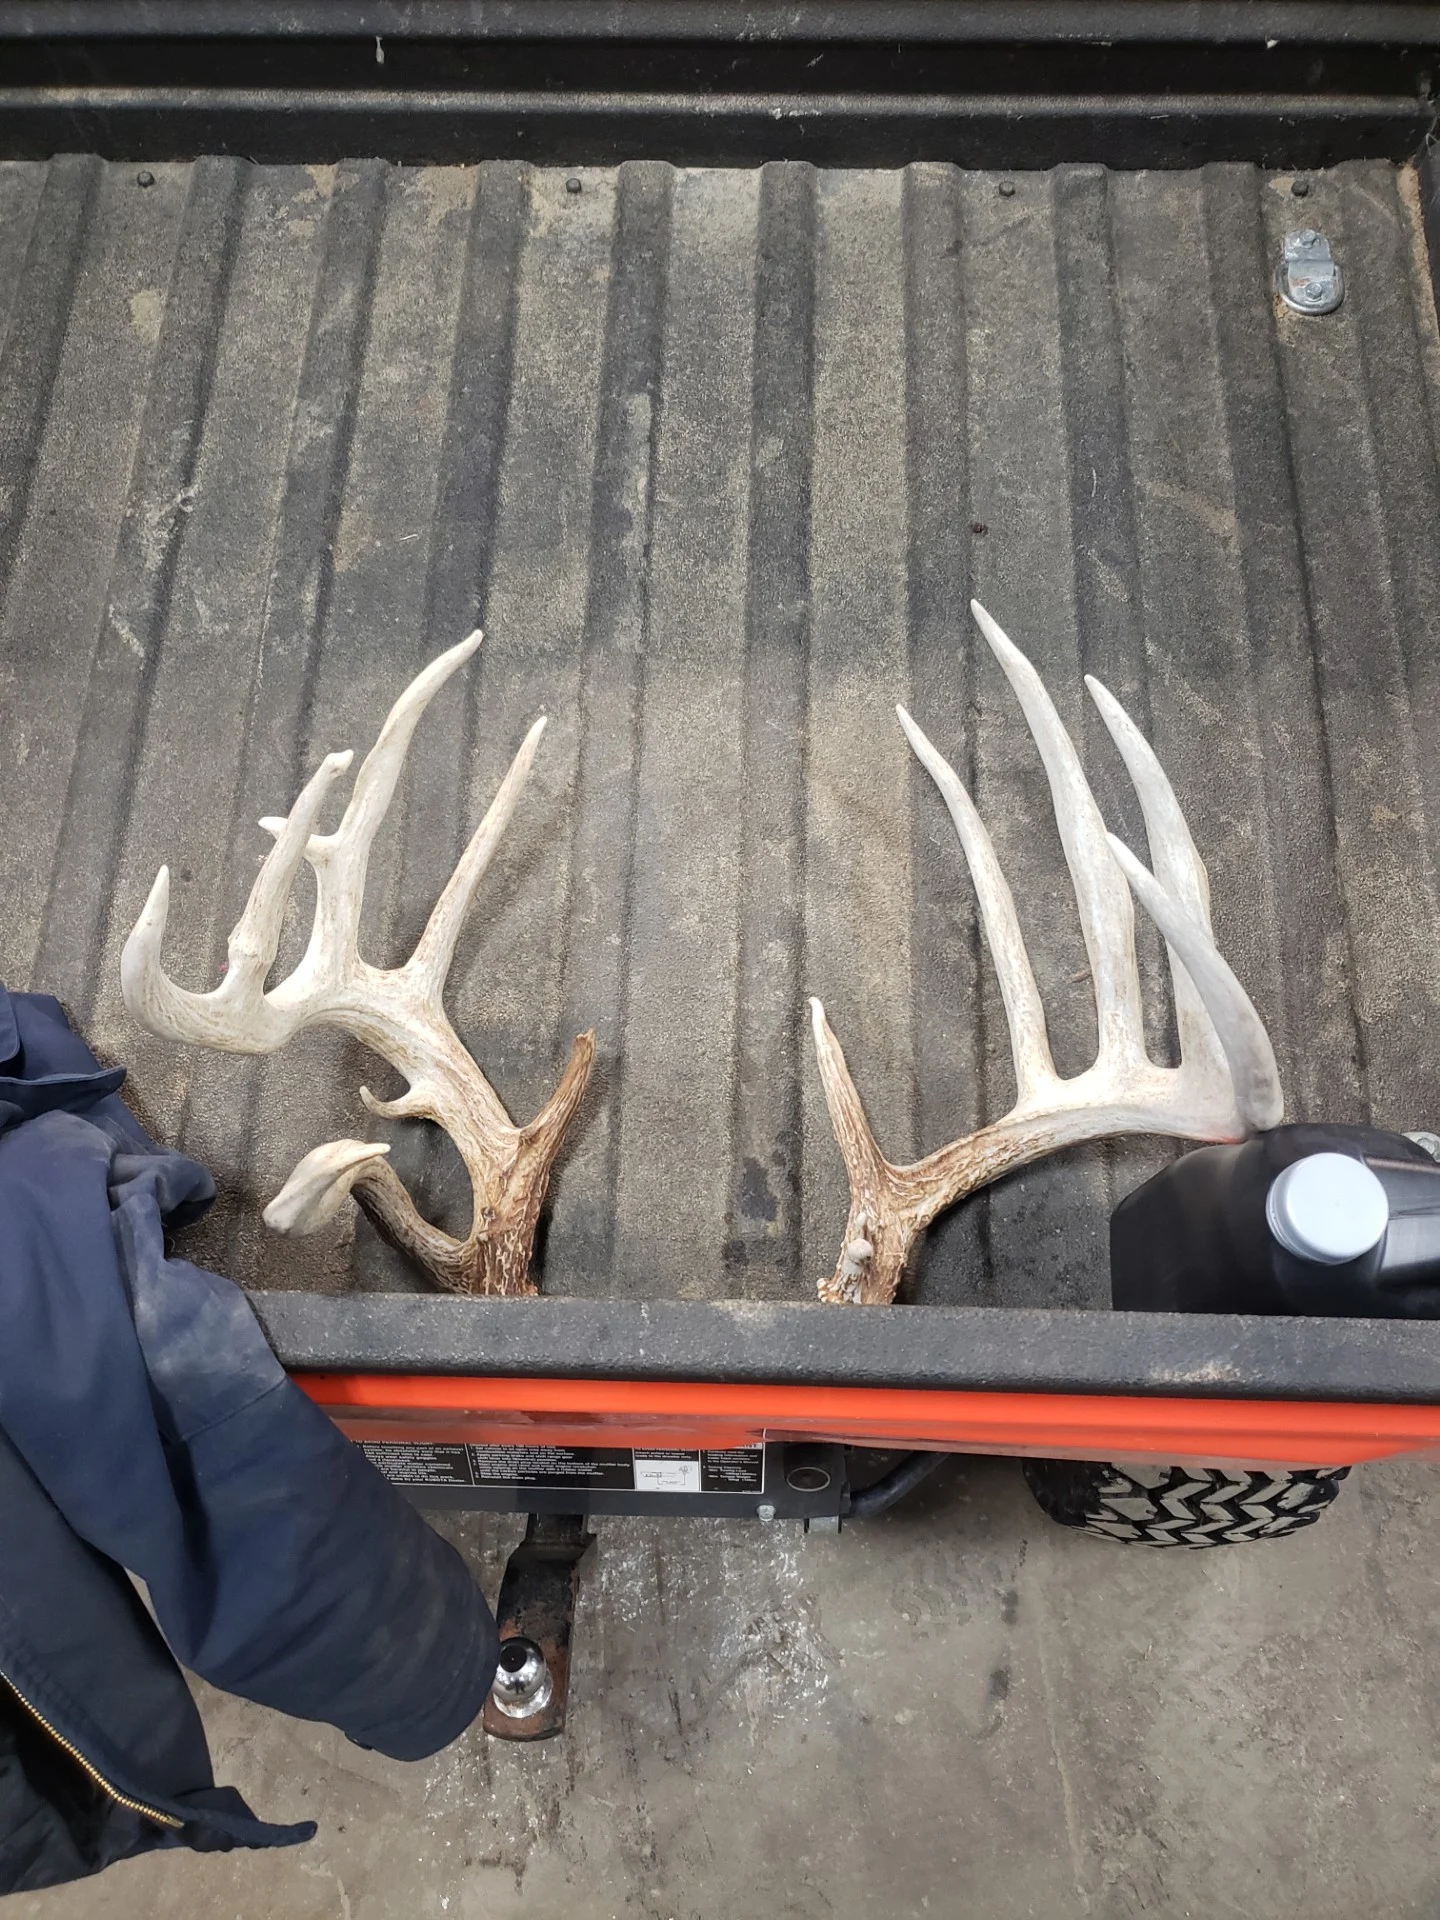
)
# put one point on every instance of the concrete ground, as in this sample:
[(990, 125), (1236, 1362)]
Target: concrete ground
[(954, 1710)]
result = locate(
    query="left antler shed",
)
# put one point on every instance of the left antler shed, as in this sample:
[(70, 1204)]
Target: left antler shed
[(1226, 1085), (398, 1012)]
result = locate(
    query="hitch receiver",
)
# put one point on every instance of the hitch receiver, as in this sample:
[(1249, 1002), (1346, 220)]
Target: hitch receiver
[(535, 1613)]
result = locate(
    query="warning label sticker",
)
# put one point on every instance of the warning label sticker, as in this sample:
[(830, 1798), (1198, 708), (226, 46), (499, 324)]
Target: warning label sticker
[(425, 1463), (733, 1470), (415, 1463), (667, 1472), (528, 1466)]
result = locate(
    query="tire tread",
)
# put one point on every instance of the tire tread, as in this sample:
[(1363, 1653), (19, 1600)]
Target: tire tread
[(1182, 1506)]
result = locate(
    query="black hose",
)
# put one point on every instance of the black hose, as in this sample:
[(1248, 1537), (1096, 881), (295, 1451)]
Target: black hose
[(901, 1479)]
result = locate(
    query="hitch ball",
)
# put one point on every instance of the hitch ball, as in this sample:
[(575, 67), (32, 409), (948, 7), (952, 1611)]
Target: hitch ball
[(522, 1684)]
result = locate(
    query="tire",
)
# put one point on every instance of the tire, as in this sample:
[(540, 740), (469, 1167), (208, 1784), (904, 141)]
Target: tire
[(1181, 1506)]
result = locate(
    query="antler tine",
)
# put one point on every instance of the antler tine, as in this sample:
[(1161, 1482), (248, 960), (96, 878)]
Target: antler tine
[(1024, 1010), (256, 938), (1239, 1028), (148, 990), (1178, 869), (209, 1017), (1107, 919), (341, 859), (435, 949)]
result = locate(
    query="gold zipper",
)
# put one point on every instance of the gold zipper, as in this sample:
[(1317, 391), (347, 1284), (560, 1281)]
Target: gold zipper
[(120, 1799)]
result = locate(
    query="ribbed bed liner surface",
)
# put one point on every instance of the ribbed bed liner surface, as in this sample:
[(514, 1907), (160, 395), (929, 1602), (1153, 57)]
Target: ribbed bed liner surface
[(717, 458)]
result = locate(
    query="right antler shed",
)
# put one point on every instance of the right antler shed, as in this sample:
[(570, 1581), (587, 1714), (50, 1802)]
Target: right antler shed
[(397, 1012), (1226, 1085)]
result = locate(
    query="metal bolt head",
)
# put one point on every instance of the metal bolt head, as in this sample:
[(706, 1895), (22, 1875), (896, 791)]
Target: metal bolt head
[(574, 184), (1308, 277), (144, 178), (765, 1512), (1299, 188), (1007, 189)]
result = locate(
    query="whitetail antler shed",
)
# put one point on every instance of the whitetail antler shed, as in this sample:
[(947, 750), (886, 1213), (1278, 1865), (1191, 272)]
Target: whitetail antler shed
[(398, 1012), (1226, 1085)]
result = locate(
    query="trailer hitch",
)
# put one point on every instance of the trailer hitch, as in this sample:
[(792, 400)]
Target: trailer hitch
[(535, 1614)]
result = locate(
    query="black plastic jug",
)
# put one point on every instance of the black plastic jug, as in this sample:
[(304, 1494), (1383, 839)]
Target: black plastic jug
[(1307, 1219)]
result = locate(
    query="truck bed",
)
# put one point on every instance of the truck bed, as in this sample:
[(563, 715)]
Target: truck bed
[(717, 458)]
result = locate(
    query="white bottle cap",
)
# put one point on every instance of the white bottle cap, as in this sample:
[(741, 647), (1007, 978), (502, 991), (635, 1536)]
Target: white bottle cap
[(1328, 1208)]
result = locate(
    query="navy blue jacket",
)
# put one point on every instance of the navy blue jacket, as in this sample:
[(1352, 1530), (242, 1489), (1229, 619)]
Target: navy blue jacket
[(145, 1425)]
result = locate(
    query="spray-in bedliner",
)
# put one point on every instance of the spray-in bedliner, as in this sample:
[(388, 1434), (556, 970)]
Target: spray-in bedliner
[(718, 459)]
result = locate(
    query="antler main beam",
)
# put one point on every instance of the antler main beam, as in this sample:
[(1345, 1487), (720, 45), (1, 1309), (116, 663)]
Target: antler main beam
[(398, 1012), (1226, 1085)]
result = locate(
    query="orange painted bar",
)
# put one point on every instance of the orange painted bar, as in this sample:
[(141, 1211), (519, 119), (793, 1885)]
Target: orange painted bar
[(661, 1413)]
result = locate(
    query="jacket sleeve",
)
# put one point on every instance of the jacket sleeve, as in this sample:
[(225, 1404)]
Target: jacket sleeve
[(282, 1566), (324, 1593), (311, 1584)]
